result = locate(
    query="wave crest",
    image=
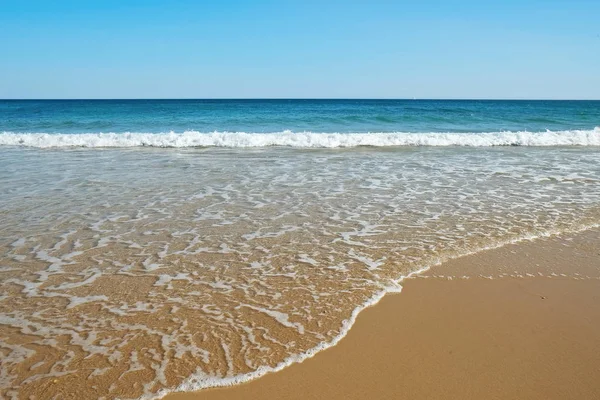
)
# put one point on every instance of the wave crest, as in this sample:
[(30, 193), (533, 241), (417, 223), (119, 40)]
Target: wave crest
[(302, 139)]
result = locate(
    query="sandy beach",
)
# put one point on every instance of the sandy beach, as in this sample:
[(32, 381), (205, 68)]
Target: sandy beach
[(283, 200), (521, 321)]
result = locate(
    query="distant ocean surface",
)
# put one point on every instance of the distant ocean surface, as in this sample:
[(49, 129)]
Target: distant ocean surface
[(298, 123), (149, 246)]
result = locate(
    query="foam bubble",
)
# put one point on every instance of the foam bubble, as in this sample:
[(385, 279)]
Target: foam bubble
[(303, 139)]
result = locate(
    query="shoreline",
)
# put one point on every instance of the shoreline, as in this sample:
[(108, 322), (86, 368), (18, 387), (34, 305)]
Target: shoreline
[(422, 290)]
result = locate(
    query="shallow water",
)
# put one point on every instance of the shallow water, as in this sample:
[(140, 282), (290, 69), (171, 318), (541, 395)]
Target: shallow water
[(131, 272)]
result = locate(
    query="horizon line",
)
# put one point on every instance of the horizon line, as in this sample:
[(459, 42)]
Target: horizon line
[(296, 98)]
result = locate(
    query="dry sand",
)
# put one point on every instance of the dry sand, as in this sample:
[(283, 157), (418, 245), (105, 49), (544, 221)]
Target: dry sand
[(504, 338)]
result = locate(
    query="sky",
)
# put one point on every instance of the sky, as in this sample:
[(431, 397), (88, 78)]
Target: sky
[(300, 49)]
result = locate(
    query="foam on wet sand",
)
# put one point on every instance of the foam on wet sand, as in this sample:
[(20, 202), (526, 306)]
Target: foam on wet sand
[(501, 331), (135, 272)]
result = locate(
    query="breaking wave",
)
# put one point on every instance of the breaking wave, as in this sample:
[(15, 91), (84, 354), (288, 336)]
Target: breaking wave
[(302, 139)]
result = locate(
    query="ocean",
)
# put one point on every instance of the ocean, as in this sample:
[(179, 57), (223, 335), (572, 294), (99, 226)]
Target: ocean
[(149, 246), (296, 123)]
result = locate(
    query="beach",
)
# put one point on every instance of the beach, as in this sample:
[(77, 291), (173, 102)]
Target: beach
[(299, 200), (156, 246), (499, 334), (204, 200)]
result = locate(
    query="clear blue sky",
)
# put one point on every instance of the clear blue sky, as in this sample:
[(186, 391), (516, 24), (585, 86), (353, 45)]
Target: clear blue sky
[(362, 49)]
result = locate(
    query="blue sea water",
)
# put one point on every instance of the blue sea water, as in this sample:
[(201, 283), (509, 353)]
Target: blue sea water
[(197, 117)]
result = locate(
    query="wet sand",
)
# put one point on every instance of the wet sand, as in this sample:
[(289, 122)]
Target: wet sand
[(447, 337)]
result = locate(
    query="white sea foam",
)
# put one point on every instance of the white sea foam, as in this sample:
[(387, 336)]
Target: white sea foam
[(302, 139), (201, 380)]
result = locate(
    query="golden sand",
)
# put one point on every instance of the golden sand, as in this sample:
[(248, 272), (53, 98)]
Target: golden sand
[(443, 337)]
